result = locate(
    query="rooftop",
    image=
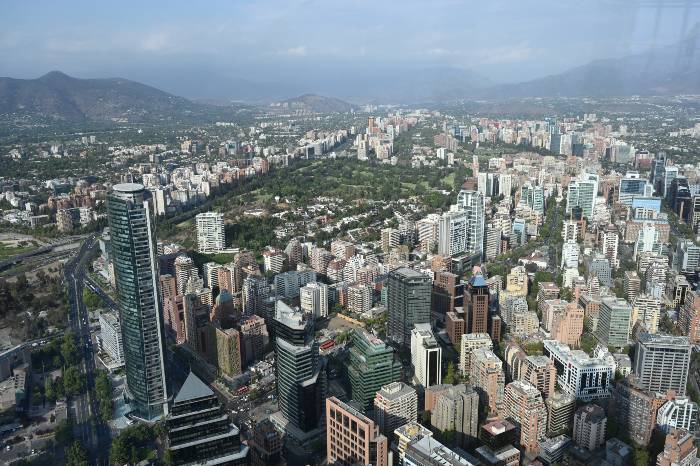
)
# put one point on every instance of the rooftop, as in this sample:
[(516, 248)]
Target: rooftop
[(193, 389)]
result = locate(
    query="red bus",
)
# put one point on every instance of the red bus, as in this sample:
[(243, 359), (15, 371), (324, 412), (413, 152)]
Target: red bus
[(243, 390)]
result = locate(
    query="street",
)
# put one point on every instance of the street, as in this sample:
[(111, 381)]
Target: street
[(89, 429)]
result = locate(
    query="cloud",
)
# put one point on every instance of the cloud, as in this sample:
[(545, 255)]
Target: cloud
[(64, 45), (440, 52), (156, 42), (505, 54), (299, 51)]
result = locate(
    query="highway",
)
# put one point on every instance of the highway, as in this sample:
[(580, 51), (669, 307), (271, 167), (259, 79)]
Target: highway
[(89, 429)]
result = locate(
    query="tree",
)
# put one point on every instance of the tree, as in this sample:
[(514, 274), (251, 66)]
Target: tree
[(63, 433), (72, 382), (49, 391), (451, 378), (132, 444), (76, 455), (69, 349)]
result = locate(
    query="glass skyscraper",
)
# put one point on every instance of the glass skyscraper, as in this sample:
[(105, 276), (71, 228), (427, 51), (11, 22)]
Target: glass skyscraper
[(133, 252), (408, 303), (371, 367)]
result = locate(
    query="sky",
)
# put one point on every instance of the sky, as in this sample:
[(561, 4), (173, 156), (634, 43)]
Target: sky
[(208, 49)]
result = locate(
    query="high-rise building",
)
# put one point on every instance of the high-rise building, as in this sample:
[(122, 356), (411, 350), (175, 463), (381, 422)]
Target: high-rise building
[(472, 203), (301, 377), (135, 270), (476, 301), (678, 413), (498, 437), (524, 406), (452, 233), (469, 343), (314, 299), (426, 356), (679, 450), (210, 232), (560, 413), (646, 309), (582, 193), (427, 451), (614, 322), (266, 445), (632, 284), (353, 438), (254, 339), (200, 431), (457, 409), (631, 186), (578, 374), (371, 366), (609, 244), (487, 377), (661, 362), (589, 426), (635, 410), (395, 404), (408, 303), (228, 346), (689, 316)]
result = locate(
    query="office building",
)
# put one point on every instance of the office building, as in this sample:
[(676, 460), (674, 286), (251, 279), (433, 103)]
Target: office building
[(589, 426), (301, 377), (353, 438), (314, 299), (457, 409), (408, 303), (371, 366), (254, 339), (678, 413), (578, 374), (560, 413), (631, 186), (632, 284), (661, 362), (200, 431), (686, 258), (426, 356), (582, 193), (469, 343), (135, 270), (614, 322), (689, 316), (452, 233), (525, 407), (448, 293), (646, 309), (476, 302), (487, 377), (395, 404), (404, 436), (210, 232), (228, 347)]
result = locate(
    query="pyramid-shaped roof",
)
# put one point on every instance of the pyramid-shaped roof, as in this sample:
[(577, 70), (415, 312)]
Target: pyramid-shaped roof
[(192, 389)]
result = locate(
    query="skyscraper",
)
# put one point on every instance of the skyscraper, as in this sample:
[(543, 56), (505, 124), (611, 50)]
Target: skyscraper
[(457, 409), (133, 252), (371, 366), (582, 193), (661, 362), (589, 426), (301, 379), (200, 431), (614, 322), (472, 203), (476, 300), (426, 356), (210, 232), (408, 303)]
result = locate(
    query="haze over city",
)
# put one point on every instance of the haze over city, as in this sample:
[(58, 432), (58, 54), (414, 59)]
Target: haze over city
[(339, 233)]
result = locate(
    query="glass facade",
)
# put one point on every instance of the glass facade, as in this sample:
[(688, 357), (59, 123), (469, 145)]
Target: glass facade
[(133, 251)]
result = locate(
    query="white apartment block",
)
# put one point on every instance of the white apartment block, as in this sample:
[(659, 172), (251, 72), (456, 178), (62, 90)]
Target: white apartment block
[(210, 232)]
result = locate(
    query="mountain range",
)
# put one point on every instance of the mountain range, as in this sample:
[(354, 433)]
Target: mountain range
[(664, 71)]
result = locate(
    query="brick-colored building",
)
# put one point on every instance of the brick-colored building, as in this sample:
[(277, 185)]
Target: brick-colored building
[(352, 437), (524, 405)]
